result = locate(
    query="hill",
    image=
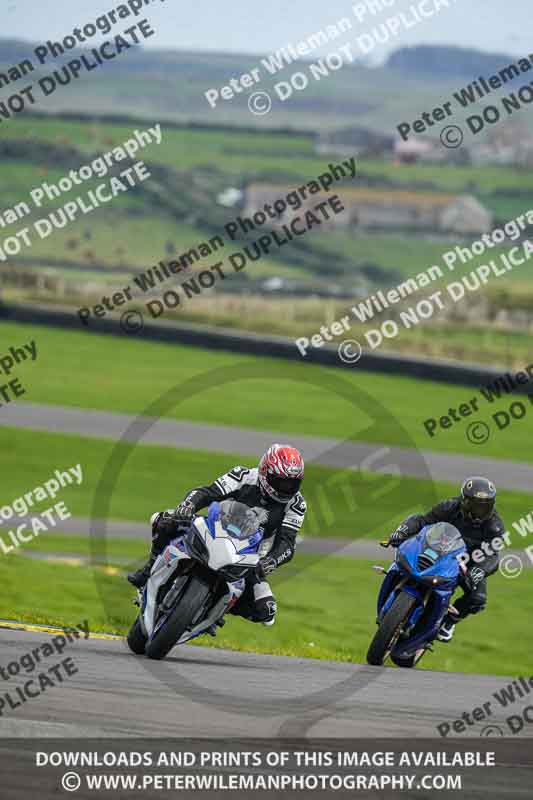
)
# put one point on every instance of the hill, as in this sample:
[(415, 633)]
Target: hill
[(171, 85), (447, 62)]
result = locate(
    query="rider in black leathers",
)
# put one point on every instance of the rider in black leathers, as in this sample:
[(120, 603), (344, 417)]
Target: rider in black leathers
[(474, 515)]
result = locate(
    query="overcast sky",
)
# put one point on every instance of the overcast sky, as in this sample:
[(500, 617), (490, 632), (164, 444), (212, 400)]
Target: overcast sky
[(249, 26)]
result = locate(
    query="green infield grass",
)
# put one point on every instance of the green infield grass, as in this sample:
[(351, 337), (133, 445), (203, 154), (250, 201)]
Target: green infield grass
[(146, 478), (326, 611), (128, 374)]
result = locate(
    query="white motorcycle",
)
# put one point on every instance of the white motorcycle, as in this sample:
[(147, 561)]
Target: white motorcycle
[(197, 578)]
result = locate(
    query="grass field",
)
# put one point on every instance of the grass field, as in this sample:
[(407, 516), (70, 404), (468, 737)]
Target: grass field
[(152, 223), (410, 255), (343, 504), (119, 374), (326, 610), (246, 152), (114, 238)]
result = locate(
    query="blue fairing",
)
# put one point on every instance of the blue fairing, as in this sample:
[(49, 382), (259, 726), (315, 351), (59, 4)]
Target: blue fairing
[(212, 515), (441, 576)]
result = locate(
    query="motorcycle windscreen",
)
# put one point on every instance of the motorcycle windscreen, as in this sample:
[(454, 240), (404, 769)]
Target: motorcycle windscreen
[(239, 520), (443, 538)]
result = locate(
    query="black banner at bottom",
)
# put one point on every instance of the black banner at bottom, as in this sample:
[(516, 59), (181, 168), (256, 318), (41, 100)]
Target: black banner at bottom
[(202, 768)]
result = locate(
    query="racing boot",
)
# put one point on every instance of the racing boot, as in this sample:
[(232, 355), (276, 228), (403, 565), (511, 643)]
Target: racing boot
[(212, 630), (447, 627), (140, 576)]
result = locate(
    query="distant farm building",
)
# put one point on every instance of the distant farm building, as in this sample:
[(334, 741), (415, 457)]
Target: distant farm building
[(385, 209), (418, 149)]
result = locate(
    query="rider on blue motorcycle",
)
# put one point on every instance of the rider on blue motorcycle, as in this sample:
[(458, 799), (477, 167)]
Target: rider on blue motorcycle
[(474, 514), (273, 486)]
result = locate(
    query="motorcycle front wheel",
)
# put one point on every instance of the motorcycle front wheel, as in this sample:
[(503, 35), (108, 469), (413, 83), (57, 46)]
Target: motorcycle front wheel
[(181, 618), (390, 629), (137, 638)]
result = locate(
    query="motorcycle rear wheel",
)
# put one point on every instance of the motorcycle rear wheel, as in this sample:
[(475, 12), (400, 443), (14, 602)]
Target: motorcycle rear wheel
[(390, 629), (180, 619)]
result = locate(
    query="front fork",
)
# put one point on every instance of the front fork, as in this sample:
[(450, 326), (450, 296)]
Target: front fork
[(393, 583), (388, 585)]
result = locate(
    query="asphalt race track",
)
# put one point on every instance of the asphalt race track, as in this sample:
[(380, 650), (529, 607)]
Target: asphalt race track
[(199, 691), (424, 464), (220, 696)]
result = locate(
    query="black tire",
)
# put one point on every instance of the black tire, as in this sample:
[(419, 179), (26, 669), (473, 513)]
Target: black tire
[(390, 629), (405, 663), (188, 607), (137, 638)]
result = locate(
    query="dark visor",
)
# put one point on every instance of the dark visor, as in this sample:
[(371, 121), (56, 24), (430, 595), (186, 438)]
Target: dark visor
[(285, 487), (477, 508)]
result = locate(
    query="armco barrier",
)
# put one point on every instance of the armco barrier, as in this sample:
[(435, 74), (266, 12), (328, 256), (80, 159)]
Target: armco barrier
[(273, 346)]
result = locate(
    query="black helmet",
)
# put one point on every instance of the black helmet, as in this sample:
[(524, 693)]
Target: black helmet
[(478, 496)]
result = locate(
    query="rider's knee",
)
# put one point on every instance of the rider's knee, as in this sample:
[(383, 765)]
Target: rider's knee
[(476, 608)]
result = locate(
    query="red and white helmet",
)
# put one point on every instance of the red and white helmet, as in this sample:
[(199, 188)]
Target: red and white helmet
[(281, 471)]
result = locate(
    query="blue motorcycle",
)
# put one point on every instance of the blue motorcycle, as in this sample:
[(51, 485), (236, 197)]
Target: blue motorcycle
[(416, 594)]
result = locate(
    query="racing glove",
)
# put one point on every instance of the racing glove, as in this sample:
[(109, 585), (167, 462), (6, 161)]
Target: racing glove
[(400, 535), (473, 578), (163, 523), (166, 525), (265, 567), (184, 513)]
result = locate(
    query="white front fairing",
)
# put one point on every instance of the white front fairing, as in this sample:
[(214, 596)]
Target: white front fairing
[(223, 550)]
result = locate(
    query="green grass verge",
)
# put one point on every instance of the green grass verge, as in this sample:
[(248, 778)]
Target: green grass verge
[(411, 255), (66, 544), (342, 504), (326, 610), (118, 239), (126, 374)]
